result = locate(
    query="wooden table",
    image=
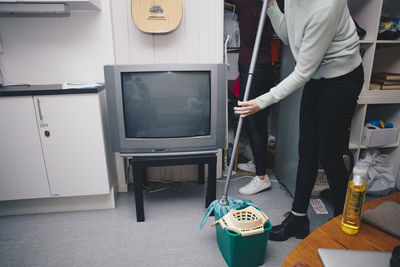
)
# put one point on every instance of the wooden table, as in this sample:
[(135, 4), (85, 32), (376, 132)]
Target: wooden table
[(330, 235)]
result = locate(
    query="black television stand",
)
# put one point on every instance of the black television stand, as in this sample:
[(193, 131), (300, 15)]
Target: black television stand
[(139, 163)]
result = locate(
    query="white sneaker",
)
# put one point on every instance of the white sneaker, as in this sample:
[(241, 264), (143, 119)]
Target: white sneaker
[(256, 185), (248, 167)]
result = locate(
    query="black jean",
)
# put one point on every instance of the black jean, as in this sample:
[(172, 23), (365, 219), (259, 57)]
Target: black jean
[(255, 125), (326, 111)]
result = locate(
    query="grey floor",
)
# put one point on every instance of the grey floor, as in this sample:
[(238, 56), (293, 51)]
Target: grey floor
[(170, 236)]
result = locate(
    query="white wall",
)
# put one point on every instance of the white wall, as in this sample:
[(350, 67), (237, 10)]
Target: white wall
[(45, 50), (198, 38)]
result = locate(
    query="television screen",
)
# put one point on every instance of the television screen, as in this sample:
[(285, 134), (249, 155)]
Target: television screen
[(166, 109), (166, 103)]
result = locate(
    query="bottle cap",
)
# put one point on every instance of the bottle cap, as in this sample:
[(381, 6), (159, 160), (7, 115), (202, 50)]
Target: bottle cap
[(360, 169), (360, 172)]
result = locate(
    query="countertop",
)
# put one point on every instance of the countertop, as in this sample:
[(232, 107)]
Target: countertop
[(45, 89)]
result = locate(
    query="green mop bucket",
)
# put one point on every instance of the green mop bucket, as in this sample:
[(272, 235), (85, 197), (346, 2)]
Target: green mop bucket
[(238, 250)]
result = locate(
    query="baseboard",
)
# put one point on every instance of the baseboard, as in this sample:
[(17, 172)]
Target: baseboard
[(62, 204)]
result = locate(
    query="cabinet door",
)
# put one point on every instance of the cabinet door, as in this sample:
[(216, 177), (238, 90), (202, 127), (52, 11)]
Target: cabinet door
[(73, 144), (286, 112), (22, 169)]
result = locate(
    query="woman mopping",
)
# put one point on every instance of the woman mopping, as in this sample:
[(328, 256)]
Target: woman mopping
[(323, 39)]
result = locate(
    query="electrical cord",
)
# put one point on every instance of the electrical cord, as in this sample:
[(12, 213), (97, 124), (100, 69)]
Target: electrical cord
[(241, 177), (155, 186)]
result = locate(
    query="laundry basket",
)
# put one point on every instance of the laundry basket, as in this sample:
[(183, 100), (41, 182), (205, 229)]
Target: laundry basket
[(245, 243)]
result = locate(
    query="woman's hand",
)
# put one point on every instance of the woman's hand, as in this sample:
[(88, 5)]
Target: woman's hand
[(271, 3), (246, 108)]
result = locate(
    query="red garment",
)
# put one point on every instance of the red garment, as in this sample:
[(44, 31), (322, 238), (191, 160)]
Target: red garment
[(275, 50), (235, 87)]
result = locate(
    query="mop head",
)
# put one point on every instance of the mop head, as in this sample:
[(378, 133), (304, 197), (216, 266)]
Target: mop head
[(221, 210)]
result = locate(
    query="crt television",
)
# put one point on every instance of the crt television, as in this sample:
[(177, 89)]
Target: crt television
[(166, 108)]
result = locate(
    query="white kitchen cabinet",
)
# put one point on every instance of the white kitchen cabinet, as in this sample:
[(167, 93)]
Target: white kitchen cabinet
[(22, 169), (71, 134), (53, 146)]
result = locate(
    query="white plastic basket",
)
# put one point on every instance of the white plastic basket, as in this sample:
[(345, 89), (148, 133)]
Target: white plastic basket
[(248, 221)]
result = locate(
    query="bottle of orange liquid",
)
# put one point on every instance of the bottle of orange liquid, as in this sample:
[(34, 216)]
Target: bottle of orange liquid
[(355, 199)]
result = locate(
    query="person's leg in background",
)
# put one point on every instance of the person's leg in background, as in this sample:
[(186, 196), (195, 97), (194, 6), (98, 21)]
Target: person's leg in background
[(255, 125)]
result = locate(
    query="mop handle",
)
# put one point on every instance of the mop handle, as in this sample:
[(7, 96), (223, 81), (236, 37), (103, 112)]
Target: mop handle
[(246, 93)]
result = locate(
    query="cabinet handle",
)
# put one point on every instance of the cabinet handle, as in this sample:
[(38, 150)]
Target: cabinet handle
[(226, 51), (39, 109)]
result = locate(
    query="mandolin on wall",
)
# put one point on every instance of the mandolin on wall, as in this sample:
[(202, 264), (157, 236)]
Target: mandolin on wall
[(157, 16)]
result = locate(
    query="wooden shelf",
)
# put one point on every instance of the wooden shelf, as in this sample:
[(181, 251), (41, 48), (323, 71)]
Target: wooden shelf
[(378, 147), (353, 146), (388, 42), (366, 41), (379, 97)]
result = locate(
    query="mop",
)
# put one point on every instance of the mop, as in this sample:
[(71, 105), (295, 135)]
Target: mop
[(226, 203)]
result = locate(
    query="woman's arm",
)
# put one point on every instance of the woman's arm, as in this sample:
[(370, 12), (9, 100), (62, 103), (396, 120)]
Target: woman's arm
[(318, 35)]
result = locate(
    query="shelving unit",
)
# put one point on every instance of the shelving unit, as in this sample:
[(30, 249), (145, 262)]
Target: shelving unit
[(380, 56)]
